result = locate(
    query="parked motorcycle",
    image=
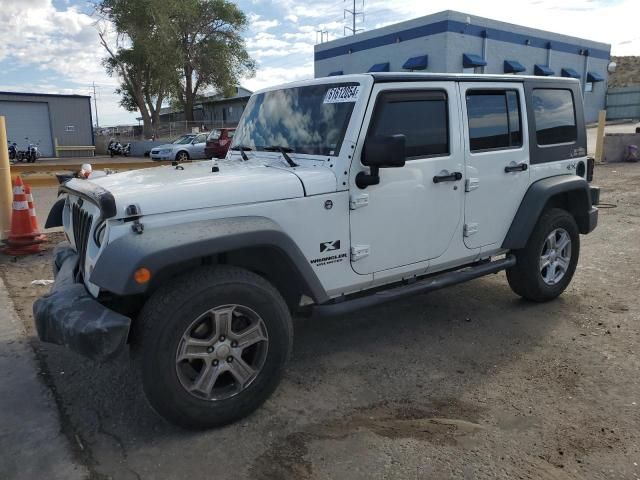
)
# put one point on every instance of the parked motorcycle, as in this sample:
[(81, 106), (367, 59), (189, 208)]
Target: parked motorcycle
[(13, 151), (32, 153), (116, 148)]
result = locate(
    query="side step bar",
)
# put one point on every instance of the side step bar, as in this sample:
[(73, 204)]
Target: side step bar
[(428, 284)]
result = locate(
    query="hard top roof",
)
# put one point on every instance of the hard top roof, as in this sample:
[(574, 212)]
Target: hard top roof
[(387, 77)]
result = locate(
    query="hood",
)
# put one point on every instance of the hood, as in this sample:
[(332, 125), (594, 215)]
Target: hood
[(167, 189)]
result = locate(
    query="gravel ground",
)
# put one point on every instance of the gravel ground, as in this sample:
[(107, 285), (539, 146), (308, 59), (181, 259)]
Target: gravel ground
[(468, 382)]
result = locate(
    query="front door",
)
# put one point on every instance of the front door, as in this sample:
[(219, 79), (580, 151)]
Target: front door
[(412, 215), (496, 157), (197, 146)]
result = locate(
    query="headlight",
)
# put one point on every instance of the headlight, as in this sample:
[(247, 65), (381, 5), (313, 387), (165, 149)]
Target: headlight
[(99, 232), (165, 152)]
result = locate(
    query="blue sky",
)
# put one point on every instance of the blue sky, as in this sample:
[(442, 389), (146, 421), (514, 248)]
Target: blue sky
[(52, 45)]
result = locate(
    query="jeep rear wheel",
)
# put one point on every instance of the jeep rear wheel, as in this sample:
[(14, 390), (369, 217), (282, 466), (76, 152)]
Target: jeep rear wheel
[(214, 346), (545, 266)]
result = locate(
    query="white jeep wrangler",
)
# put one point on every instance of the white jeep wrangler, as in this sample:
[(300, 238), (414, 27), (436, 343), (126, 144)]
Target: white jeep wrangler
[(337, 194)]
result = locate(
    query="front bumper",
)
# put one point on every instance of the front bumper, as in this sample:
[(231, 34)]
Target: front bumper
[(70, 316)]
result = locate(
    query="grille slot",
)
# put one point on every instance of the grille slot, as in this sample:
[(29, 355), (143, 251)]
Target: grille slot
[(82, 222)]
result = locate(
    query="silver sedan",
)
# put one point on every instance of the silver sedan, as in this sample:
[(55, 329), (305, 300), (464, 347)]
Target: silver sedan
[(186, 147)]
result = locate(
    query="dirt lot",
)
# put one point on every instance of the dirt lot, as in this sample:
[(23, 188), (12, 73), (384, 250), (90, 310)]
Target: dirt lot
[(468, 382)]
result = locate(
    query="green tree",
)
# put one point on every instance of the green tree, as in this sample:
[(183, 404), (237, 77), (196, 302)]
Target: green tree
[(210, 50), (137, 55), (174, 49)]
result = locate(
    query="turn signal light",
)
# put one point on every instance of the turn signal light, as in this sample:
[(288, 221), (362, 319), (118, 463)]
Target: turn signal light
[(142, 275)]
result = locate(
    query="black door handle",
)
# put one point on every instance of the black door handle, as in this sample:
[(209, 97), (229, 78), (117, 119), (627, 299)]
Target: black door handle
[(521, 167), (452, 177)]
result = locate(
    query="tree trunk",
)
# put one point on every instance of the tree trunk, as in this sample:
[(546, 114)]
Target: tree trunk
[(188, 94), (147, 124)]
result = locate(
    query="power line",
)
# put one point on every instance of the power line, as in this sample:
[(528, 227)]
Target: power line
[(354, 15)]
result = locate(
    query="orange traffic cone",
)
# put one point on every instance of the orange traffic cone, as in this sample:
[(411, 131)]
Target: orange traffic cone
[(32, 212), (23, 239)]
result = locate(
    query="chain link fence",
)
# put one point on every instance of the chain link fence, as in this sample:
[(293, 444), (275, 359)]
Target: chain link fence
[(165, 132)]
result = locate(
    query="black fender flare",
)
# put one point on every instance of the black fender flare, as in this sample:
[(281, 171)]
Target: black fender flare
[(537, 197), (54, 219), (163, 248)]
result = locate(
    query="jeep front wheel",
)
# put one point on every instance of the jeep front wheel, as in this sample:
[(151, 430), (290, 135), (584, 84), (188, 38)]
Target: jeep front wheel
[(214, 346), (545, 266)]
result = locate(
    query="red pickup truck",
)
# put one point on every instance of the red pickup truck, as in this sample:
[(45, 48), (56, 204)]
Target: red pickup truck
[(218, 142)]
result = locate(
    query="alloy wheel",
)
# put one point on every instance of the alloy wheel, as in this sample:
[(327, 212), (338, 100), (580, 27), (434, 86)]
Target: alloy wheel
[(222, 352), (555, 257)]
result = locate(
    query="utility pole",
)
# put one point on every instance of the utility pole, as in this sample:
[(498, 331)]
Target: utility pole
[(95, 104), (354, 14)]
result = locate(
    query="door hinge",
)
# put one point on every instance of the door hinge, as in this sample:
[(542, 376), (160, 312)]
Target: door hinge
[(358, 200), (470, 229), (359, 251), (471, 184)]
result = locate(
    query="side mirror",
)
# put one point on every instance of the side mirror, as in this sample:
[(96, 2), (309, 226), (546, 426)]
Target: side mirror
[(381, 152), (384, 152)]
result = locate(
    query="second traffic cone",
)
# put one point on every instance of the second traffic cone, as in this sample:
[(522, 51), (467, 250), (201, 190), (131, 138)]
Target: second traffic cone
[(22, 238), (32, 212)]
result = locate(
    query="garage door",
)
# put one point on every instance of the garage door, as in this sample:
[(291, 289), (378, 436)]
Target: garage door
[(28, 120)]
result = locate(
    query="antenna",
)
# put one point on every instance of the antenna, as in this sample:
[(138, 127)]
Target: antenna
[(354, 14), (324, 34)]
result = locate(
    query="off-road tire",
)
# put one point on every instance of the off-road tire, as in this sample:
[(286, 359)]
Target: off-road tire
[(525, 278), (169, 312)]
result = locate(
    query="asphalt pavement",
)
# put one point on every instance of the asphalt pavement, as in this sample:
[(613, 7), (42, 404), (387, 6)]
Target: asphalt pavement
[(32, 444)]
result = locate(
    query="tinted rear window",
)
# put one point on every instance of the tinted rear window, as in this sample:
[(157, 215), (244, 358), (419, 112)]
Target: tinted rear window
[(494, 119), (555, 116)]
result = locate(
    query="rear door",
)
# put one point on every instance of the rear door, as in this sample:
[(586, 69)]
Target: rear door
[(496, 150)]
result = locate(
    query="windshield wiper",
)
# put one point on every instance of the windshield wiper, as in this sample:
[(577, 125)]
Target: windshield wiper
[(283, 151), (242, 149)]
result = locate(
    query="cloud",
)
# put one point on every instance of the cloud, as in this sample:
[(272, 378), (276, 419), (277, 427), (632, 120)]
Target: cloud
[(54, 44), (270, 76)]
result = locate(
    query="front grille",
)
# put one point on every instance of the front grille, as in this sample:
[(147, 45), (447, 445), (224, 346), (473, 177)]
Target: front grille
[(81, 228), (155, 152)]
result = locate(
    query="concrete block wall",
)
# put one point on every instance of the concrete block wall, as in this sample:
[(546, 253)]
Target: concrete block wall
[(615, 146), (446, 36)]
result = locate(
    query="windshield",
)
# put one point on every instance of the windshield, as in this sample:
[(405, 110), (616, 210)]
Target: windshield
[(311, 119), (184, 139)]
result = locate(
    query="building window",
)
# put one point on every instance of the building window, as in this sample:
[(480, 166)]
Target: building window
[(494, 119), (555, 116), (422, 116), (469, 70), (588, 87)]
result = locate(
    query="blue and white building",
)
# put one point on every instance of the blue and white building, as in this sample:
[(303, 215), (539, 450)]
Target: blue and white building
[(455, 42)]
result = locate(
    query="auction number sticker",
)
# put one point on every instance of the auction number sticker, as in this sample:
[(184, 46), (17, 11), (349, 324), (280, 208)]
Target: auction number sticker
[(342, 94)]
